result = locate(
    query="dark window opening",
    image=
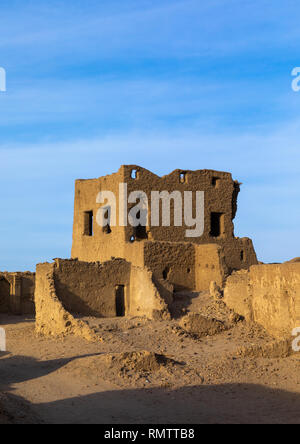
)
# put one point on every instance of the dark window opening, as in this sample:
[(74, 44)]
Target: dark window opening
[(134, 174), (188, 271), (4, 296), (88, 223), (215, 182), (166, 273), (106, 229), (182, 177), (140, 233), (217, 222), (242, 256), (120, 300)]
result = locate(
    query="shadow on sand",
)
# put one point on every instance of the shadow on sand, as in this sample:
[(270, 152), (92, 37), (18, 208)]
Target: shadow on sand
[(227, 403)]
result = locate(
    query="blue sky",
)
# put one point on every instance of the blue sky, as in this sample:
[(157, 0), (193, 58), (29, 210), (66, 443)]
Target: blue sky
[(165, 84)]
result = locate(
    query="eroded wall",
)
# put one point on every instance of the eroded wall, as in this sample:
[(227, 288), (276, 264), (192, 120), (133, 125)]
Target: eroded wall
[(172, 261), (185, 265), (210, 265), (70, 287), (89, 288), (52, 319), (145, 297), (268, 295), (17, 293)]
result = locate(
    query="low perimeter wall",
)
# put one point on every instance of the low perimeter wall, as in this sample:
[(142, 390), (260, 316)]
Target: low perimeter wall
[(268, 295)]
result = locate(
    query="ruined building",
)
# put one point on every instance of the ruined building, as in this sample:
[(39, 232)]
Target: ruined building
[(119, 268), (135, 269), (142, 268), (17, 293), (186, 262)]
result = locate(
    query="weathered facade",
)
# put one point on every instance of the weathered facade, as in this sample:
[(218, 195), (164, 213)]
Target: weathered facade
[(268, 295), (187, 262), (17, 293)]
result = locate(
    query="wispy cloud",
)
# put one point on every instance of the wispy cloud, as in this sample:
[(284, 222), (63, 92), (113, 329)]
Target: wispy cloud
[(269, 167), (160, 83), (66, 32)]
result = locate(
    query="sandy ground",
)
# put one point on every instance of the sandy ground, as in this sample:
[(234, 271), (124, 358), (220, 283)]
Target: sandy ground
[(185, 379)]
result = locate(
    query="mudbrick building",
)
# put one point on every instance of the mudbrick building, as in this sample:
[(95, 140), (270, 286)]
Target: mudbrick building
[(118, 269), (141, 269), (186, 262)]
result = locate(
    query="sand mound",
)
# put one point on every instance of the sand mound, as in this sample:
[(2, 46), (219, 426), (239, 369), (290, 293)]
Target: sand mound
[(130, 368), (142, 361), (200, 326)]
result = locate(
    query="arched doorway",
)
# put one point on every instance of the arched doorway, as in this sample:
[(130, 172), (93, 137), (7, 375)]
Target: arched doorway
[(4, 295)]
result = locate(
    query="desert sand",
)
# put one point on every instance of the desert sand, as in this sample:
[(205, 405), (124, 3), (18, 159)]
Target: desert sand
[(139, 371)]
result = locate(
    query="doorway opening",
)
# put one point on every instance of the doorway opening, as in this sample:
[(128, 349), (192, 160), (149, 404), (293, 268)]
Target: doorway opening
[(120, 301), (4, 295)]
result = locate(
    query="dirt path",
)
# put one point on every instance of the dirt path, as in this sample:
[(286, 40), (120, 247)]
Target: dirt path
[(69, 381)]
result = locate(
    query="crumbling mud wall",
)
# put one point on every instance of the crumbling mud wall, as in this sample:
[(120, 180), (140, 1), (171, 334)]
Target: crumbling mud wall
[(268, 295), (69, 288), (145, 297), (51, 317), (17, 293), (173, 262), (90, 288), (185, 265), (210, 265), (93, 243)]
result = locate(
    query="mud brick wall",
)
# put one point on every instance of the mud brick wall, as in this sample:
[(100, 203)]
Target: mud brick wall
[(268, 295), (114, 288), (17, 293), (89, 288)]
